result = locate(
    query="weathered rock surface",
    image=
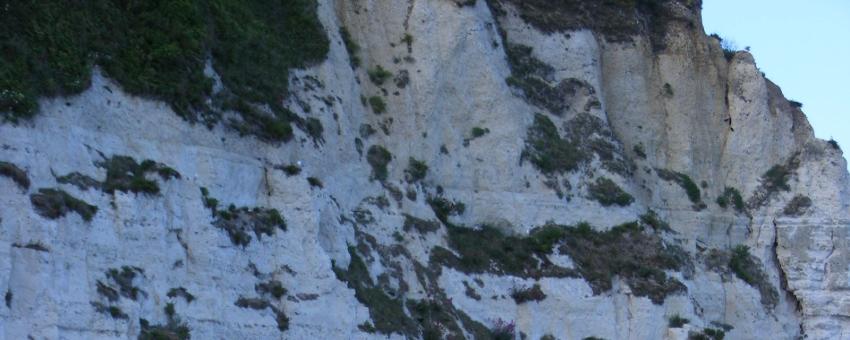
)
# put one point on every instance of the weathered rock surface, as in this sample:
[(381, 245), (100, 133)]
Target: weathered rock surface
[(679, 106)]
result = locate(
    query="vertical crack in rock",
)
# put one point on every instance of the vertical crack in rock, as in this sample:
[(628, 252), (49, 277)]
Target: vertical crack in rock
[(783, 277)]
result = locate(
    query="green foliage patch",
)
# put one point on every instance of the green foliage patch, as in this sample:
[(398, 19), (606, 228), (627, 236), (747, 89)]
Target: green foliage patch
[(16, 174), (378, 157), (416, 170), (608, 193), (124, 174), (747, 268), (732, 196), (547, 151), (56, 203), (159, 49), (683, 181), (239, 222), (627, 251)]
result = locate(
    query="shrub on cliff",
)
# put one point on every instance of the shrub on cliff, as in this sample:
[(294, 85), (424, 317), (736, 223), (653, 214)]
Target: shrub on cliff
[(608, 193)]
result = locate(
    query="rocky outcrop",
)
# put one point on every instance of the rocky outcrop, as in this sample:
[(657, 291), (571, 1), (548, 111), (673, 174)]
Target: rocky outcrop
[(457, 169)]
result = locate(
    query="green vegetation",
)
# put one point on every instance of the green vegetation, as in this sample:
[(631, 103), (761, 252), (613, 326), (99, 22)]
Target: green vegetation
[(289, 169), (271, 287), (82, 182), (379, 75), (55, 203), (733, 196), (181, 292), (443, 208), (677, 321), (684, 181), (37, 246), (420, 225), (113, 311), (503, 330), (776, 178), (124, 174), (416, 170), (834, 144), (315, 182), (351, 47), (159, 49), (639, 258), (796, 104), (313, 128), (209, 202), (378, 105), (523, 295), (378, 157), (798, 206), (16, 174), (124, 280), (651, 219), (260, 304), (174, 329), (608, 193), (531, 76), (547, 151), (746, 268), (386, 312), (585, 136), (408, 40), (707, 334), (478, 132), (390, 312), (639, 151), (238, 222), (668, 90)]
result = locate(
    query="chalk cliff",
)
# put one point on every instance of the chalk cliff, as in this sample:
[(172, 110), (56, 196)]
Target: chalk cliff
[(456, 169)]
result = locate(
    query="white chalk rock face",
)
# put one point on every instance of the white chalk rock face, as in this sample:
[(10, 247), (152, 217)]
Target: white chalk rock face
[(585, 178)]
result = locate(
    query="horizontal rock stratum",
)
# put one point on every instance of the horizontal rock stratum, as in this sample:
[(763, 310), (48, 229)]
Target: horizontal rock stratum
[(529, 169)]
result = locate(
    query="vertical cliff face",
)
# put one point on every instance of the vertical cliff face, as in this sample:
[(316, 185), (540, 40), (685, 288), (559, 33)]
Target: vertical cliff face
[(444, 169)]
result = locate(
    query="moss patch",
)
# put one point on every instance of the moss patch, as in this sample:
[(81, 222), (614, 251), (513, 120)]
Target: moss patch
[(55, 203)]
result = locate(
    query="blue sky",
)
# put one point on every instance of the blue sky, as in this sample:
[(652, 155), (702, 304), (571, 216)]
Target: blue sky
[(802, 46)]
